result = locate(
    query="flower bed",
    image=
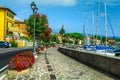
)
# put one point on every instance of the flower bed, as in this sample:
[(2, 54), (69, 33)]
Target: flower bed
[(21, 61), (48, 46)]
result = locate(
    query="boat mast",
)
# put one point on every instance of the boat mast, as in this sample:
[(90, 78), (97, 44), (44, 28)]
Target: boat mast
[(97, 22), (85, 42), (86, 39), (105, 24), (93, 27)]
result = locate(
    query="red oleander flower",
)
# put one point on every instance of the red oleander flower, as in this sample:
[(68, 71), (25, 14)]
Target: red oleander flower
[(22, 61)]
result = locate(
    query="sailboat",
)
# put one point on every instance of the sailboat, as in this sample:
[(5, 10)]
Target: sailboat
[(99, 49), (105, 49)]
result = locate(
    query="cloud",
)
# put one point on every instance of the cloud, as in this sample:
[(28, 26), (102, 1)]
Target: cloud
[(58, 2)]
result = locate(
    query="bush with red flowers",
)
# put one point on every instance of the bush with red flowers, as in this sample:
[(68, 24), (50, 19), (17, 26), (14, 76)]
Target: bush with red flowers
[(21, 61)]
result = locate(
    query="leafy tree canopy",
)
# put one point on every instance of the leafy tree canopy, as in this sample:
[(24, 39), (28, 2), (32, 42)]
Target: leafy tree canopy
[(42, 29), (54, 38), (74, 35), (118, 39)]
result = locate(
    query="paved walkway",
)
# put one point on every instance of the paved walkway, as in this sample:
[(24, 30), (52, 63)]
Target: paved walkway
[(63, 67)]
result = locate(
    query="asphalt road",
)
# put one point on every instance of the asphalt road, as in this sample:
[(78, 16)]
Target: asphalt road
[(7, 53)]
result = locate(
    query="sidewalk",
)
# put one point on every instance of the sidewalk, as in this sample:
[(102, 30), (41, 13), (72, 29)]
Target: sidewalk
[(63, 67)]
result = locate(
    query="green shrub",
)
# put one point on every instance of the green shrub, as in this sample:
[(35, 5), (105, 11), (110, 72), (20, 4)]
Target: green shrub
[(46, 43), (70, 41), (25, 38), (52, 44), (76, 41), (14, 44), (41, 43)]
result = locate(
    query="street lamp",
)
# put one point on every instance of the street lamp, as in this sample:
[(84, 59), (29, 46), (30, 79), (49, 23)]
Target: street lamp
[(35, 9)]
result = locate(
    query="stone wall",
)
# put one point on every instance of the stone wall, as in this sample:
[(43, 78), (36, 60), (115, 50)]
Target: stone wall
[(106, 63)]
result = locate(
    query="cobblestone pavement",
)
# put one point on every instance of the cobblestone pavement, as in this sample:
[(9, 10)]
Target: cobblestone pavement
[(63, 67), (68, 69)]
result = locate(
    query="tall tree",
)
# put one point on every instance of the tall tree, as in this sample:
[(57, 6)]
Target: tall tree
[(62, 31), (42, 29), (46, 34), (38, 25)]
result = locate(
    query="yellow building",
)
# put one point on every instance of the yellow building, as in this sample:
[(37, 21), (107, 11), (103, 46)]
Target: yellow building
[(6, 21), (21, 25)]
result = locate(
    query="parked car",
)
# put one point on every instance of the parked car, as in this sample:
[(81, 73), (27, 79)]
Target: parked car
[(4, 44)]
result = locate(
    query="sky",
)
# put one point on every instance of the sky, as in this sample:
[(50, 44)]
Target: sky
[(73, 14)]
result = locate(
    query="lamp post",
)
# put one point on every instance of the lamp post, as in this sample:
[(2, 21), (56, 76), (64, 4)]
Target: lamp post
[(34, 8)]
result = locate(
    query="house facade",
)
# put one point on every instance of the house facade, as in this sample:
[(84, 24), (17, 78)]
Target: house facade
[(6, 22), (22, 27)]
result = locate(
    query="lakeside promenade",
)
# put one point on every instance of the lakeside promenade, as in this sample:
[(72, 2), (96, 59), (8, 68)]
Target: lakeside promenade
[(63, 67)]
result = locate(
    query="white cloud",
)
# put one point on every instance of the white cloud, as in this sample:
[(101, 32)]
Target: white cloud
[(58, 2)]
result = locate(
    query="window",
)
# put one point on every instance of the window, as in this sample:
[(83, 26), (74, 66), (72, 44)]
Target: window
[(10, 15), (7, 13)]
